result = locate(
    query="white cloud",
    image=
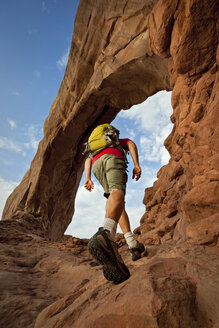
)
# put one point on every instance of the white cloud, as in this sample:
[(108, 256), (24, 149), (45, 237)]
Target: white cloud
[(152, 148), (152, 113), (12, 123), (6, 187), (9, 144), (131, 133), (34, 134), (89, 212), (61, 63), (148, 176), (152, 119)]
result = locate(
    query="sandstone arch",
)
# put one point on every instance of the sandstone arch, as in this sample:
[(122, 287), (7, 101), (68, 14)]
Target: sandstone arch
[(121, 53)]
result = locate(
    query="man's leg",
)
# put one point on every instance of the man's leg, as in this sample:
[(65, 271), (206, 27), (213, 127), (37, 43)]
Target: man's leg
[(126, 229), (114, 208), (135, 248), (124, 222), (102, 246), (116, 177), (115, 204)]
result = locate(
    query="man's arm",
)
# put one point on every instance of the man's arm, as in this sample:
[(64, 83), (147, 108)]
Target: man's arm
[(134, 154), (88, 184)]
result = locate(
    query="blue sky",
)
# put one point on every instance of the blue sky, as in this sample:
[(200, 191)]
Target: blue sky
[(35, 40)]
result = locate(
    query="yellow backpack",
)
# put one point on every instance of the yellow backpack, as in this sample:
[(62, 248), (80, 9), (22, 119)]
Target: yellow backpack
[(103, 136)]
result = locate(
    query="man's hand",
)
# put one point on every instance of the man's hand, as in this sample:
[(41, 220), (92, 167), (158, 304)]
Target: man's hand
[(136, 173), (134, 153), (89, 184)]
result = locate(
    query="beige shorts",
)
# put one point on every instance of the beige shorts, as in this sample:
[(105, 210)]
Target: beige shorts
[(110, 171)]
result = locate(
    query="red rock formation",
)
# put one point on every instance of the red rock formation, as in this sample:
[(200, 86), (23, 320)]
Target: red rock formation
[(187, 189), (159, 293), (61, 285), (176, 284)]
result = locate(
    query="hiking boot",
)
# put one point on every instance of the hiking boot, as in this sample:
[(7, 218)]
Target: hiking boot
[(136, 252), (105, 251)]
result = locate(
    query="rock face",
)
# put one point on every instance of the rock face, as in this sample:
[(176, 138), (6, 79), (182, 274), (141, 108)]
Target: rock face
[(162, 44), (187, 189)]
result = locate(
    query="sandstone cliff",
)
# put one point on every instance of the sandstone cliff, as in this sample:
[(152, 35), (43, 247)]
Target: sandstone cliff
[(163, 45)]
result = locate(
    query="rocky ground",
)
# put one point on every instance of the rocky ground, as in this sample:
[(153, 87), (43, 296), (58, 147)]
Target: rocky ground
[(58, 284)]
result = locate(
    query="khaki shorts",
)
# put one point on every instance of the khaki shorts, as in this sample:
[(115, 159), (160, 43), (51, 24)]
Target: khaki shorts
[(110, 171)]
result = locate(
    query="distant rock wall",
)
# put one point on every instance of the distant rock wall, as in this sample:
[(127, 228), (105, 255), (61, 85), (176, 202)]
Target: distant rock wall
[(110, 68), (187, 189)]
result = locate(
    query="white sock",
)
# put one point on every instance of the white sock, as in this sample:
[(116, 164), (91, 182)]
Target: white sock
[(111, 226), (130, 239)]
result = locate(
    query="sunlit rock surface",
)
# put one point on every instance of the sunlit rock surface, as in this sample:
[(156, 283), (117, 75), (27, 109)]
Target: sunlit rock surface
[(123, 52), (187, 189)]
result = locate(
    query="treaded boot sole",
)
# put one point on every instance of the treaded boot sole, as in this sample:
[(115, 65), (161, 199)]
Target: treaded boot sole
[(113, 270)]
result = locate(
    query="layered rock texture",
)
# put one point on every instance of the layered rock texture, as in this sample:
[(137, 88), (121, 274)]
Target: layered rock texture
[(122, 52), (187, 189), (57, 284)]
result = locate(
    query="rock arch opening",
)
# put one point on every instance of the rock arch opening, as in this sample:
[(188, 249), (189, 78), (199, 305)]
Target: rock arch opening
[(147, 124)]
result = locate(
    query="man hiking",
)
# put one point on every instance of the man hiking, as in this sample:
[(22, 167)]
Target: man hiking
[(108, 158)]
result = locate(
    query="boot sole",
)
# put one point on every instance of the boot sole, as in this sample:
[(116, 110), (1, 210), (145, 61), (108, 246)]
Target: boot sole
[(113, 270)]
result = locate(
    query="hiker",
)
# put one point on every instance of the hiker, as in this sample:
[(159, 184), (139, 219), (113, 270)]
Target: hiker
[(108, 159)]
